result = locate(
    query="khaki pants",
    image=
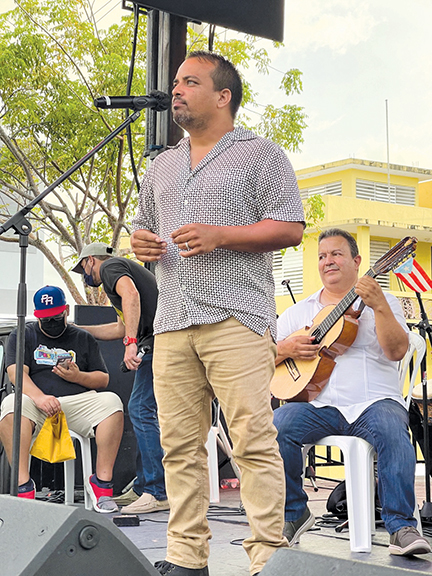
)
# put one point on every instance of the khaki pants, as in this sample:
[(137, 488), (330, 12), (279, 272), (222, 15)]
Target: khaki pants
[(235, 364), (83, 411)]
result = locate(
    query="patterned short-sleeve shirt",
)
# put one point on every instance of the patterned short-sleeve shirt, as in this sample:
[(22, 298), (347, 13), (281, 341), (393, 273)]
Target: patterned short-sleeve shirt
[(244, 179)]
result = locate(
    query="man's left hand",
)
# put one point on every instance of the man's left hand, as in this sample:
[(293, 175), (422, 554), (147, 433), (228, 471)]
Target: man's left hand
[(370, 292), (193, 239), (69, 371)]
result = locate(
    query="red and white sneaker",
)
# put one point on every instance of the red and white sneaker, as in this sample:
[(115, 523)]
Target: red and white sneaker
[(27, 490), (102, 498)]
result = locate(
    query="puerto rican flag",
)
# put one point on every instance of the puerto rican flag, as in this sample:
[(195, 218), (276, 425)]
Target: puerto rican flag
[(413, 275)]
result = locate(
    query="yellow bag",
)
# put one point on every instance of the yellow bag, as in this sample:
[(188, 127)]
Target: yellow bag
[(54, 443)]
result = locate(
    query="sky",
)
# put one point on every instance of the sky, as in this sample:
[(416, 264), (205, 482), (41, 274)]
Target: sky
[(354, 55)]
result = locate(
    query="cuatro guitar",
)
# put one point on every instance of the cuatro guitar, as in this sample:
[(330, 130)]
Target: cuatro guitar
[(335, 331)]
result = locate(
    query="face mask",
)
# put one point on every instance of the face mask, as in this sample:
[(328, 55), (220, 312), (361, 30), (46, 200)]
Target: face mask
[(53, 327), (90, 281)]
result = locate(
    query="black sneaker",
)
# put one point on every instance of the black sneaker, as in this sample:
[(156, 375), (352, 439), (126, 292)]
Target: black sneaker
[(407, 541), (293, 530), (164, 567)]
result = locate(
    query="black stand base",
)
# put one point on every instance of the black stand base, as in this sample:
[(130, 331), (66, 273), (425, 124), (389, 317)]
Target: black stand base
[(426, 512)]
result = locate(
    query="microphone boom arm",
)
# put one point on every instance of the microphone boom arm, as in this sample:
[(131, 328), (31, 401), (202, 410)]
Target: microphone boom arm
[(23, 228), (13, 222)]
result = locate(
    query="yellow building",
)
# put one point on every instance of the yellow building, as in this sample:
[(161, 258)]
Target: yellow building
[(358, 198), (379, 207)]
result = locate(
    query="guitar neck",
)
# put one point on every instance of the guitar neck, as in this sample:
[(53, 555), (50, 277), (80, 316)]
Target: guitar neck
[(338, 311)]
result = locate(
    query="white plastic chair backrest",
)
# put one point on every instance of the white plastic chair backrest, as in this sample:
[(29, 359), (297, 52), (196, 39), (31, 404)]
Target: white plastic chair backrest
[(416, 344)]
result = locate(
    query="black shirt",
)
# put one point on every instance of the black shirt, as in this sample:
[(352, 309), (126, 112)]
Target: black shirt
[(111, 271), (41, 354)]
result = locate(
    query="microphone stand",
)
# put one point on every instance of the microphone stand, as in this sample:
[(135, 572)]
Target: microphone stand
[(23, 227), (286, 283), (425, 328)]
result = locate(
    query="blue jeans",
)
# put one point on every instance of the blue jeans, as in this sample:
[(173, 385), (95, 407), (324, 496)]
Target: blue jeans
[(143, 414), (384, 424)]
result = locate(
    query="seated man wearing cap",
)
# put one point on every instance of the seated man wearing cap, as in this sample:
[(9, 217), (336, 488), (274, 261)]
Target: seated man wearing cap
[(71, 386), (132, 291)]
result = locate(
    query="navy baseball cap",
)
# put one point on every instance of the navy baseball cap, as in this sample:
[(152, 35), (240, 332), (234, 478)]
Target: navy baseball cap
[(49, 301)]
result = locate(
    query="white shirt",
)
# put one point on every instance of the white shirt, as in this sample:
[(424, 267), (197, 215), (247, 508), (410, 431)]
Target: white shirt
[(363, 374)]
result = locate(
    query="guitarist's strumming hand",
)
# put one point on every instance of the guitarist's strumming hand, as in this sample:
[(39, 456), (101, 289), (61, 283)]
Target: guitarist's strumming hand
[(298, 347)]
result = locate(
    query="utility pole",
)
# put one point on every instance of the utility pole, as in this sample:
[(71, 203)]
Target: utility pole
[(388, 151)]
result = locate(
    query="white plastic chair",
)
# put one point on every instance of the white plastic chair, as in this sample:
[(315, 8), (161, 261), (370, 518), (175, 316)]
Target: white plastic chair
[(213, 464), (217, 436), (69, 471), (359, 463)]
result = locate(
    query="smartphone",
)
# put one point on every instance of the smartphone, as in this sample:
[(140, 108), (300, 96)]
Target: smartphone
[(64, 361)]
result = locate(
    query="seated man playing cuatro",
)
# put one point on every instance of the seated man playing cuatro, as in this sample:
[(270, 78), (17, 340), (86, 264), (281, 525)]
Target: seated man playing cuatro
[(63, 370), (362, 397)]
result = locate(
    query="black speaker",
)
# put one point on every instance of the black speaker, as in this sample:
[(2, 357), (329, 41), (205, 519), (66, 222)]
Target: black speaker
[(40, 539), (258, 17), (288, 561)]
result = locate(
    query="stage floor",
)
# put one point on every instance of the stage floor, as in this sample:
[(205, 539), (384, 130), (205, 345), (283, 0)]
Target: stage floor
[(229, 527)]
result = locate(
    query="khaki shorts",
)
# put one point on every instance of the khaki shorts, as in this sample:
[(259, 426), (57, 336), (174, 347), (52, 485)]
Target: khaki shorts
[(83, 411)]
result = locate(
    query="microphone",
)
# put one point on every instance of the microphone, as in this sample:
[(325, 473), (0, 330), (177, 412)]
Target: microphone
[(156, 100), (142, 352)]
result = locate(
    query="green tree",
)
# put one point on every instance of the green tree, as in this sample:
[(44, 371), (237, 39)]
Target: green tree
[(54, 60)]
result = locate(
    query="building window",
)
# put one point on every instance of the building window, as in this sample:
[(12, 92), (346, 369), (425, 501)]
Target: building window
[(378, 249), (333, 188), (288, 267), (379, 192)]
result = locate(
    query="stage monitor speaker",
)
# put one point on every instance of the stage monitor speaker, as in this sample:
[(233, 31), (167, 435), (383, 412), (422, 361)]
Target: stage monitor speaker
[(258, 17), (288, 561), (40, 539)]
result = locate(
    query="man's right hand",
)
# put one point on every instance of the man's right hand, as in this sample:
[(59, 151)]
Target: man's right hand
[(147, 246), (130, 357), (298, 347), (48, 404)]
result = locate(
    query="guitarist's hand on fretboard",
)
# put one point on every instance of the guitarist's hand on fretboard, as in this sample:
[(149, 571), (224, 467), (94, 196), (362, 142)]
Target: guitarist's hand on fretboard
[(298, 347), (391, 336), (370, 292)]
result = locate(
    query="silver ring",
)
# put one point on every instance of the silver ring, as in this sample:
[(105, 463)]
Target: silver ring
[(188, 247)]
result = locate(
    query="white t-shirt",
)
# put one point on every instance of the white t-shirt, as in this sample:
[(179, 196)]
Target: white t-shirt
[(363, 374)]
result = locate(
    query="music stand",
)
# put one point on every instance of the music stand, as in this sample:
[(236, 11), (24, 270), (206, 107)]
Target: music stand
[(22, 227)]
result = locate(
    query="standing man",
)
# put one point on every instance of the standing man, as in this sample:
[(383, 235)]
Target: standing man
[(211, 211), (132, 291), (362, 397)]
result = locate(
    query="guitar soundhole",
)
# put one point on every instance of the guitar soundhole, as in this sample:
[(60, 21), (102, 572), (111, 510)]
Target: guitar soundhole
[(292, 368)]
